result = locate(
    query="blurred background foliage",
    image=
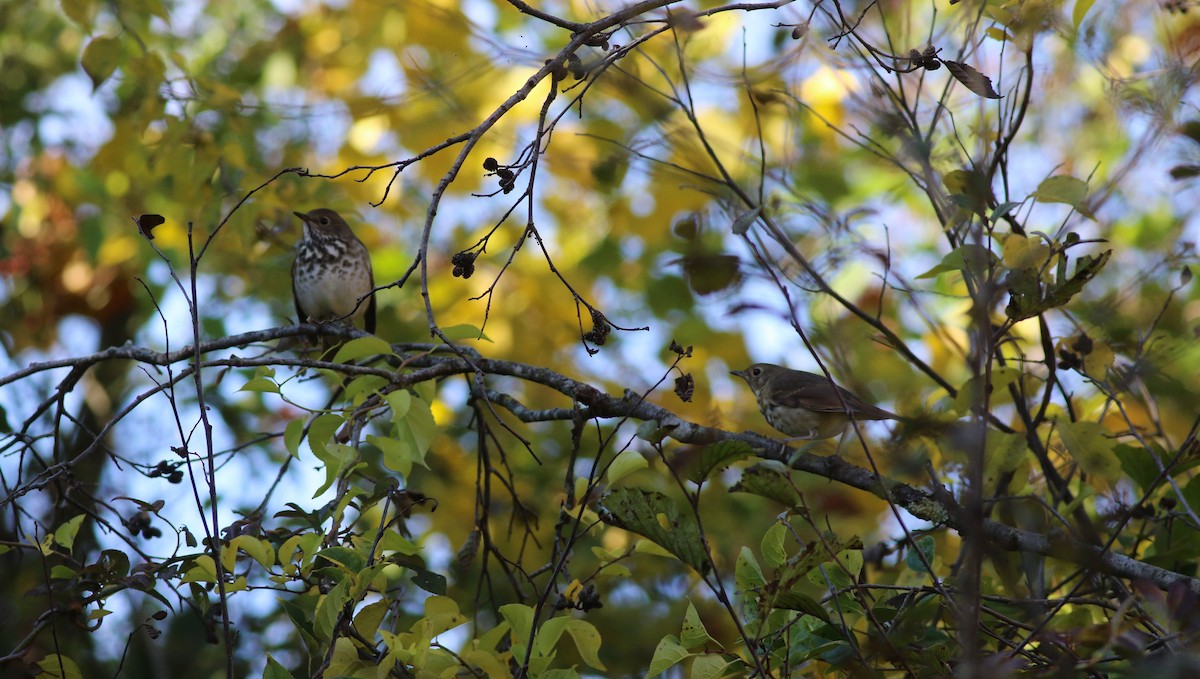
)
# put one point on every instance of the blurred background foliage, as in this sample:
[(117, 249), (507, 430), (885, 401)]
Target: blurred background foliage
[(182, 108)]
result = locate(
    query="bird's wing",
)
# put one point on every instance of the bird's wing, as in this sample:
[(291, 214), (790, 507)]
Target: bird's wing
[(370, 315), (816, 396), (301, 317), (822, 397)]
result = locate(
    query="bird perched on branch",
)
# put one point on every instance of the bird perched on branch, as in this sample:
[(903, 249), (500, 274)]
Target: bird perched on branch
[(332, 279), (803, 405)]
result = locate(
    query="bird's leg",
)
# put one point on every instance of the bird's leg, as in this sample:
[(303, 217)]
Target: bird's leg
[(791, 455), (810, 435), (837, 452)]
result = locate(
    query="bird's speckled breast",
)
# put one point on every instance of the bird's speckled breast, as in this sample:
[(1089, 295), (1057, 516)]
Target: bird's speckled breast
[(330, 277)]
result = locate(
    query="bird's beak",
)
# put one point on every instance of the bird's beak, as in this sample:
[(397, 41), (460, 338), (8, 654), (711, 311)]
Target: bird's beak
[(739, 373), (303, 216)]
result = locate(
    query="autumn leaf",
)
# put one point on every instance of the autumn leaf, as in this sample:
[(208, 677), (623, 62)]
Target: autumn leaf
[(974, 80)]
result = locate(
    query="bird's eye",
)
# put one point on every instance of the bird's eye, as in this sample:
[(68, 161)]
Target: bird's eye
[(324, 221), (756, 372)]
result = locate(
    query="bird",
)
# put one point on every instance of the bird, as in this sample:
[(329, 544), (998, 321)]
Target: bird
[(803, 405), (332, 279)]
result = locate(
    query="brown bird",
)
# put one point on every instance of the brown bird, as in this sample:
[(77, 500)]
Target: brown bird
[(331, 274), (803, 405)]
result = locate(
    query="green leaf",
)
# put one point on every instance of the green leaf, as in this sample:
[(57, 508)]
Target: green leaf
[(972, 392), (337, 458), (61, 572), (1064, 189), (747, 575), (80, 11), (1091, 446), (693, 633), (413, 433), (153, 7), (434, 583), (625, 463), (399, 401), (1002, 209), (261, 384), (913, 558), (654, 516), (100, 59), (851, 560), (292, 434), (491, 639), (520, 620), (829, 574), (1080, 11), (422, 426), (795, 600), (707, 273), (1176, 545), (652, 432), (766, 480), (362, 386), (667, 654), (743, 222), (145, 68), (975, 258), (1137, 464), (1004, 453), (363, 346), (321, 432), (587, 641), (1024, 294), (299, 616), (55, 666), (351, 560), (274, 670), (710, 666), (395, 542), (329, 609), (464, 331), (717, 456), (396, 455), (772, 545), (65, 534)]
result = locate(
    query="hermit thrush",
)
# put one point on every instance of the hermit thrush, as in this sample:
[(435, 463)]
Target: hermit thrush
[(331, 274), (804, 405)]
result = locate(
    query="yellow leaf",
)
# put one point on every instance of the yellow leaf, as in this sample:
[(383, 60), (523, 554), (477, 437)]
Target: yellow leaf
[(649, 547), (1091, 447), (626, 463), (1021, 252)]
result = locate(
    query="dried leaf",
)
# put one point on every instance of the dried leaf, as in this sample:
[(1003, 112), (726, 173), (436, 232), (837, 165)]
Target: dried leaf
[(146, 224), (685, 387), (1184, 171), (974, 80)]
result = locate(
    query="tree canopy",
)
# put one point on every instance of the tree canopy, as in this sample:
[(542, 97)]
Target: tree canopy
[(977, 214)]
